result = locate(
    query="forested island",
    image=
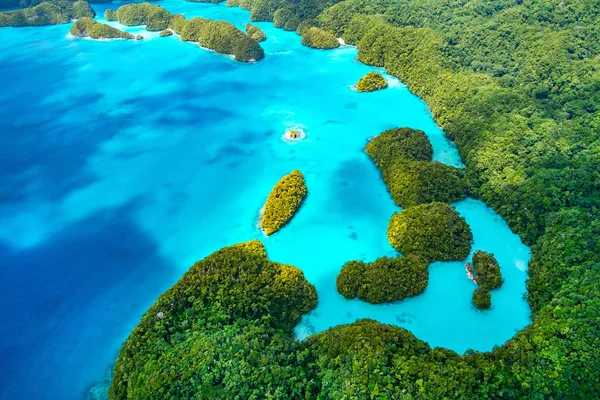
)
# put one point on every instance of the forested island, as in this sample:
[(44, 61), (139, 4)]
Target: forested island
[(515, 85), (371, 82), (283, 202)]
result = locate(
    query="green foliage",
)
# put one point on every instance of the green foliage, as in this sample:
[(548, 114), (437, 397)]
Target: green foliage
[(487, 270), (255, 33), (47, 13), (219, 36), (385, 280), (319, 39), (371, 82), (285, 18), (435, 231), (402, 156), (399, 144), (482, 298), (110, 15), (217, 332), (139, 37), (87, 27), (283, 202), (155, 18), (418, 182), (166, 32), (82, 9)]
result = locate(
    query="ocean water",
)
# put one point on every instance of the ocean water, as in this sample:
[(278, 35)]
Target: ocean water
[(126, 161)]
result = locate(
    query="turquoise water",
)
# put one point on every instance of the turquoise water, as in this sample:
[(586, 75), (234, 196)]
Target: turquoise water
[(124, 162)]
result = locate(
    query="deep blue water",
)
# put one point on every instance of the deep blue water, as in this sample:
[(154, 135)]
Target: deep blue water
[(126, 161)]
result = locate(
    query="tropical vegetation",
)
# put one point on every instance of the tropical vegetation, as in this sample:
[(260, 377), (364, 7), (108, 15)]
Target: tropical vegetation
[(487, 270), (283, 202), (87, 27), (384, 280), (371, 82), (482, 298), (255, 33), (435, 231), (319, 39), (47, 13)]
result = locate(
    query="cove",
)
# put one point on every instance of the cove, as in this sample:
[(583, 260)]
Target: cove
[(125, 162)]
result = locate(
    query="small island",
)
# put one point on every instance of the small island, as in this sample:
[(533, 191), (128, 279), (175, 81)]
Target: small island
[(154, 17), (371, 82), (294, 135), (166, 32), (403, 157), (435, 231), (283, 202), (488, 277), (385, 280), (482, 298), (255, 32), (87, 27), (47, 13), (399, 144), (319, 39), (220, 36)]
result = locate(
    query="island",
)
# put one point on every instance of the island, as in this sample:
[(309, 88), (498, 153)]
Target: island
[(166, 32), (294, 135), (154, 17), (435, 231), (482, 298), (47, 13), (384, 280), (371, 82), (220, 36), (255, 33), (233, 308), (319, 39), (87, 27), (487, 276), (283, 202), (399, 144), (403, 157)]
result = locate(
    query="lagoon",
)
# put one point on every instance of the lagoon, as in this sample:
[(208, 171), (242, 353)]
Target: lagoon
[(126, 161)]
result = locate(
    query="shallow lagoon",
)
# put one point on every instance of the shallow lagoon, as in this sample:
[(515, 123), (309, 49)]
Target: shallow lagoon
[(125, 162)]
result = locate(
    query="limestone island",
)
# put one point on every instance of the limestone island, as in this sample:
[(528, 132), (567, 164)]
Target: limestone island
[(385, 280), (255, 32), (488, 277), (87, 27), (283, 202), (47, 13), (294, 135), (166, 32), (435, 231), (371, 82), (220, 36), (317, 38), (403, 155), (220, 309)]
